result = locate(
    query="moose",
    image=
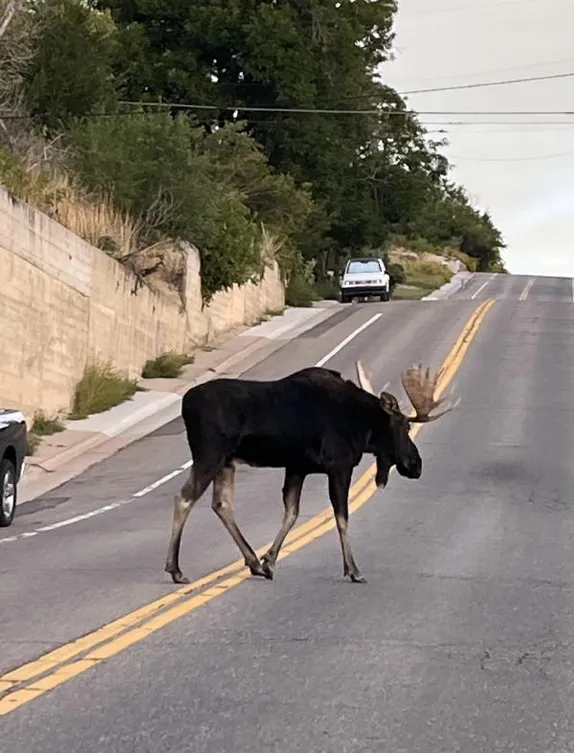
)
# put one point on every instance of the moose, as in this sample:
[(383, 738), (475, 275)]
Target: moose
[(313, 421)]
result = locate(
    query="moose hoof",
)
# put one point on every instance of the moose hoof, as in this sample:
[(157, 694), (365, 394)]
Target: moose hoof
[(179, 578), (267, 569), (261, 570), (354, 575)]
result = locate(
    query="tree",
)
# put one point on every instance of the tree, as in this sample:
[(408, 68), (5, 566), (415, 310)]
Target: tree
[(15, 51), (239, 52), (343, 169), (71, 72), (369, 174), (17, 35)]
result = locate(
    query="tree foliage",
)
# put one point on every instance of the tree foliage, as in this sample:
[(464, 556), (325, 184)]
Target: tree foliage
[(326, 184), (71, 73), (156, 168)]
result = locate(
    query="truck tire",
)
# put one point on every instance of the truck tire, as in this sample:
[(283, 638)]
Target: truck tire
[(8, 492), (384, 296)]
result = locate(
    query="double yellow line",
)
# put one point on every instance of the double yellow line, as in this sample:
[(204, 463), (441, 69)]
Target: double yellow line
[(37, 677), (527, 288)]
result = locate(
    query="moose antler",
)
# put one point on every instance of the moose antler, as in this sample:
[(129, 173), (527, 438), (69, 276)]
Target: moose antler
[(420, 387), (365, 382), (363, 379)]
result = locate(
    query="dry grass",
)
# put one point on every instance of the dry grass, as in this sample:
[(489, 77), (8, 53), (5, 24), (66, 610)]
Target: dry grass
[(97, 221), (470, 262), (270, 247)]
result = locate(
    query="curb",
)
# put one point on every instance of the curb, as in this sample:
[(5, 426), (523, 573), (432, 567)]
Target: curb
[(457, 282)]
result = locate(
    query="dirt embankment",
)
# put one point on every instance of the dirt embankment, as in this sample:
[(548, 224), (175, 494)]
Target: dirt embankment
[(425, 271)]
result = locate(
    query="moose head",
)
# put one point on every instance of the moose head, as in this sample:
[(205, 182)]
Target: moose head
[(420, 387)]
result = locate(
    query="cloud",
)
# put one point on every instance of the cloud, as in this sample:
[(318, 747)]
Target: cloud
[(521, 171)]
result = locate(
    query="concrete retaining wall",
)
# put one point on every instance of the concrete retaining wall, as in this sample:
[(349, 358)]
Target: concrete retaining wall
[(64, 303)]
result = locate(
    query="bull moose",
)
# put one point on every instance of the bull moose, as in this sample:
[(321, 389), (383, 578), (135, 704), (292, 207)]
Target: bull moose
[(312, 421)]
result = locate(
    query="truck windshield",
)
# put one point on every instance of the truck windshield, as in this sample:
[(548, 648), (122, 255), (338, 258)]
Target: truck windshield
[(357, 265)]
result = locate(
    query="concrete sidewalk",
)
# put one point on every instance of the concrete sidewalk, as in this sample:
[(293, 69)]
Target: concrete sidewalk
[(64, 455)]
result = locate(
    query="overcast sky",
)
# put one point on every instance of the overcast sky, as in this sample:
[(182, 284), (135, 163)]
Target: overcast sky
[(523, 173)]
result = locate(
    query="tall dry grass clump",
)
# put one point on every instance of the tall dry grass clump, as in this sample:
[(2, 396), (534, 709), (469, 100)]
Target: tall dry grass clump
[(95, 219)]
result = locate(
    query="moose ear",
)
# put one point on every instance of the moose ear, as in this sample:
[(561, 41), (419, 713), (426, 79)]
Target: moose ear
[(389, 404)]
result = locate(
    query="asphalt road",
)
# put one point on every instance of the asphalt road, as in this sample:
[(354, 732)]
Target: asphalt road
[(518, 287), (460, 641)]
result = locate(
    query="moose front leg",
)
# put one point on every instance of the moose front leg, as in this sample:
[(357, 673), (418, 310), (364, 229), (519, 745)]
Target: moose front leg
[(292, 488), (339, 485)]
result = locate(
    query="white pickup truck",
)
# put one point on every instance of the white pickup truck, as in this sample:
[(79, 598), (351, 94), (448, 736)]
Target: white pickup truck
[(364, 278)]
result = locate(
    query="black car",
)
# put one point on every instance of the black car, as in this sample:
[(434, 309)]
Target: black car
[(13, 441)]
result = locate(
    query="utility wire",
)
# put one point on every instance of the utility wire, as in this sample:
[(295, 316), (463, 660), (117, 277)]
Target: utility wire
[(482, 85), (320, 111), (530, 158), (497, 71), (395, 113), (461, 8)]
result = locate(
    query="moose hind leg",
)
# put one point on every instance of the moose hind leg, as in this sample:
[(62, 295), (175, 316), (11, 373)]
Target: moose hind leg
[(222, 504), (339, 485), (291, 497), (197, 482)]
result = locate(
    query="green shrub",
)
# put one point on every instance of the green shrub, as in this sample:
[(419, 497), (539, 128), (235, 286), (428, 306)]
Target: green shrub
[(397, 274), (154, 168), (42, 426), (427, 275), (300, 292), (100, 388), (167, 365), (32, 443), (328, 289)]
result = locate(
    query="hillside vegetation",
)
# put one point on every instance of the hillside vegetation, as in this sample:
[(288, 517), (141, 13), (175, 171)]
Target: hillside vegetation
[(138, 123)]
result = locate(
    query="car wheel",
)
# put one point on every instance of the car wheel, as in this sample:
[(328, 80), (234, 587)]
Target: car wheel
[(384, 296), (344, 299), (8, 492)]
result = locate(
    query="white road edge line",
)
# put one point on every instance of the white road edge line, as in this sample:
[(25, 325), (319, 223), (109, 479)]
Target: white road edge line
[(481, 288), (177, 472)]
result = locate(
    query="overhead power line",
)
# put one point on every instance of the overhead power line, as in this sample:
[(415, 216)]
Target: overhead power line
[(465, 8), (531, 158), (421, 115), (484, 84), (320, 111), (496, 71)]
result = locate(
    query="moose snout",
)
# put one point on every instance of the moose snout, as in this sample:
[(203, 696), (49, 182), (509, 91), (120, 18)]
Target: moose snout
[(411, 467)]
